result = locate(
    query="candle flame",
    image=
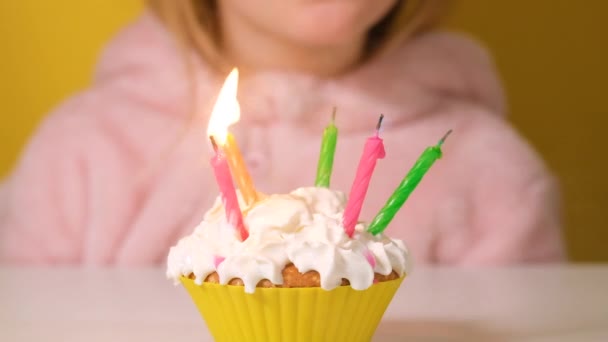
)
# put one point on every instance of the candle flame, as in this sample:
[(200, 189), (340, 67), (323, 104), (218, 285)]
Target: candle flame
[(226, 110)]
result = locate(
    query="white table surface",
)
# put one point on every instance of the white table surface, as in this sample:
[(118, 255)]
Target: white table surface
[(558, 303)]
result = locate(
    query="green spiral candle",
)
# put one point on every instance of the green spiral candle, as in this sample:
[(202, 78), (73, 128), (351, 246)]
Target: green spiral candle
[(404, 190), (328, 150)]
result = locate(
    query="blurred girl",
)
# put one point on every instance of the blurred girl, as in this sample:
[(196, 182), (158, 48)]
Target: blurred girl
[(118, 172)]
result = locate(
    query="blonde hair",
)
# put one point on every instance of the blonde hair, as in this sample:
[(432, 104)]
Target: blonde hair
[(194, 23)]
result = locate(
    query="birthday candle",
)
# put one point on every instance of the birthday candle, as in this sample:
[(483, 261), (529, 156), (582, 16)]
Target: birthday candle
[(239, 170), (226, 111), (228, 192), (373, 150), (403, 191), (328, 150)]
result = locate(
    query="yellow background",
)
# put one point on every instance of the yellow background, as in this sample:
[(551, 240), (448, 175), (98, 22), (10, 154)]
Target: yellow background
[(551, 54)]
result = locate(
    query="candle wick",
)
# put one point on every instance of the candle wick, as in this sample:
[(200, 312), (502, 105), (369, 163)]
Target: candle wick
[(333, 115), (213, 143), (445, 137), (379, 124)]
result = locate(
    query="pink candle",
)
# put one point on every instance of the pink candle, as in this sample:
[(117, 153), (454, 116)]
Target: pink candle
[(228, 192), (373, 150)]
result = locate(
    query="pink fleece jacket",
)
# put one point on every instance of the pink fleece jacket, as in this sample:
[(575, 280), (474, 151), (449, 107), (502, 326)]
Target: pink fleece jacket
[(118, 173)]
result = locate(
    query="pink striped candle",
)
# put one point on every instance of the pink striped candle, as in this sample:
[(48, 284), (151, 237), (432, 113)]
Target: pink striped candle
[(234, 216), (373, 150)]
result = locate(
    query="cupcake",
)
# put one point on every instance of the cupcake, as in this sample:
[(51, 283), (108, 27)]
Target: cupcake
[(297, 277)]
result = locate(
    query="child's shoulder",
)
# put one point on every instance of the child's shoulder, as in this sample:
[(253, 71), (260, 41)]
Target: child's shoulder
[(138, 97), (144, 45), (447, 45), (453, 63)]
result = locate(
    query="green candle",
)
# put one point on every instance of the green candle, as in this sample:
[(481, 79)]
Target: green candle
[(326, 157), (403, 191)]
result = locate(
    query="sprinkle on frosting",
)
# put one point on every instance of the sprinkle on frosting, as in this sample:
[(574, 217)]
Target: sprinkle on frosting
[(303, 227)]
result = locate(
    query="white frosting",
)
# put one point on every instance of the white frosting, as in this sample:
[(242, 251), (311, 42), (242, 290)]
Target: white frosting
[(303, 228)]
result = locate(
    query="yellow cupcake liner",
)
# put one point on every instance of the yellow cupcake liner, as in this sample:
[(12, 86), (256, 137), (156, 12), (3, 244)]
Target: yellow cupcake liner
[(291, 314)]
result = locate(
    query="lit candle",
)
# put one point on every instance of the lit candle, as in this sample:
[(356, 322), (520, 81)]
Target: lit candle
[(234, 216), (409, 183), (226, 112), (328, 150), (239, 170), (374, 150)]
